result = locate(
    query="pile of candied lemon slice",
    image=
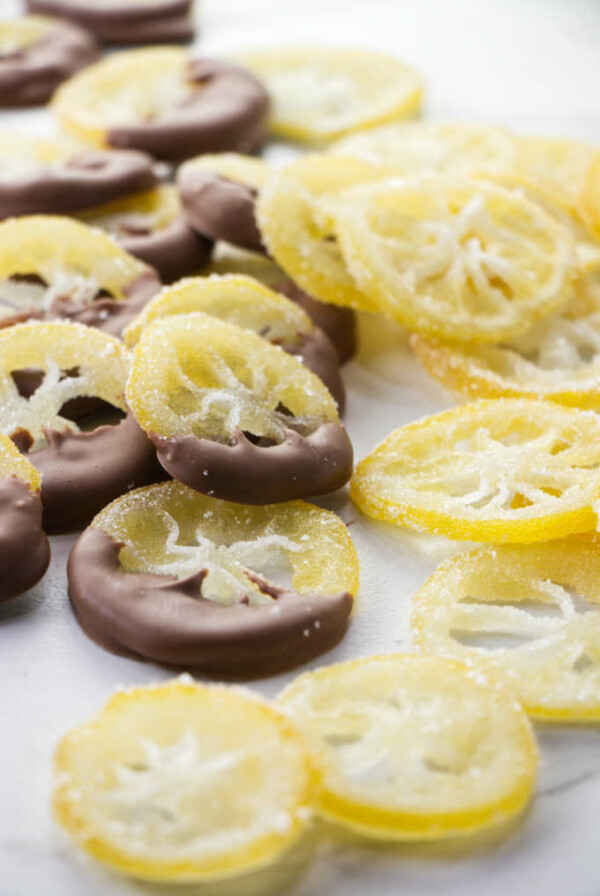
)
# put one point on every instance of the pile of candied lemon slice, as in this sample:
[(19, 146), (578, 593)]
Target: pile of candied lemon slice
[(486, 247)]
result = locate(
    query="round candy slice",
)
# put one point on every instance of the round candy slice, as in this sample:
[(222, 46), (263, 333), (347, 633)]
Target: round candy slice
[(164, 102), (557, 359), (297, 227), (337, 322), (419, 149), (24, 548), (462, 260), (321, 93), (529, 614), (52, 176), (37, 54), (52, 267), (151, 226), (81, 470), (414, 747), (242, 301), (505, 470), (126, 21), (179, 578), (233, 416), (219, 194), (557, 167), (183, 782)]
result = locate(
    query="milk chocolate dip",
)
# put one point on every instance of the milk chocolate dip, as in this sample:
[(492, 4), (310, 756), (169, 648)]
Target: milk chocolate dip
[(220, 208), (168, 621), (123, 22), (87, 179), (82, 472), (337, 322), (227, 112), (29, 76), (24, 548), (175, 251), (249, 473), (105, 313)]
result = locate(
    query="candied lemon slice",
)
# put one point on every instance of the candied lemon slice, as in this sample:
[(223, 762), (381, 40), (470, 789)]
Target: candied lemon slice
[(319, 93), (557, 167), (122, 89), (170, 529), (235, 298), (417, 149), (73, 361), (462, 260), (13, 463), (151, 210), (183, 782), (557, 359), (497, 471), (232, 166), (196, 375), (414, 747), (297, 227), (71, 259), (529, 614)]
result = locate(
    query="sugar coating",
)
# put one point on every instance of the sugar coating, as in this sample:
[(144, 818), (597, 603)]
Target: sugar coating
[(488, 465), (184, 772), (65, 254), (195, 374), (559, 357), (529, 615), (234, 298), (170, 529), (414, 734), (321, 93), (75, 361), (464, 260)]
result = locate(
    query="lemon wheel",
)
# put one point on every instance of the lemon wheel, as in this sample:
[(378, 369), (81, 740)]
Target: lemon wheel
[(413, 747), (529, 615), (504, 470), (183, 782)]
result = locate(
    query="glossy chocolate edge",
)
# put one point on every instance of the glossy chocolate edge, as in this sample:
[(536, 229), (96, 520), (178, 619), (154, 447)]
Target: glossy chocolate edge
[(34, 73), (87, 179), (176, 251), (246, 473), (228, 114), (24, 547), (220, 208), (82, 472)]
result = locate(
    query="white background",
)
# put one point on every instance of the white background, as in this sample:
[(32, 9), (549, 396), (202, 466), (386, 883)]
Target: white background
[(530, 64)]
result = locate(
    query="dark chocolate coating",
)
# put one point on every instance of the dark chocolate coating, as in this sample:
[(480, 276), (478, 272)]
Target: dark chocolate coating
[(83, 472), (338, 323), (175, 251), (246, 473), (318, 354), (24, 548), (109, 315), (168, 621), (30, 76), (85, 180), (125, 23), (219, 208), (228, 113)]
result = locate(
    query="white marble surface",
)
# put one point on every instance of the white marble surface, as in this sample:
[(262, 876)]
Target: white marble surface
[(530, 64)]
